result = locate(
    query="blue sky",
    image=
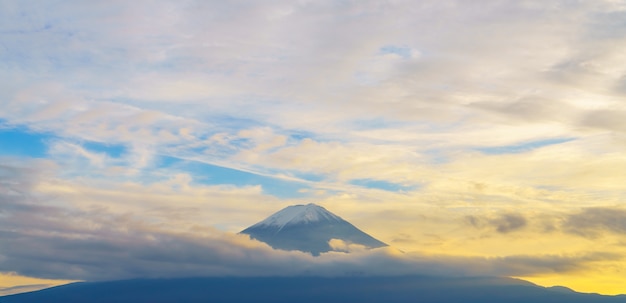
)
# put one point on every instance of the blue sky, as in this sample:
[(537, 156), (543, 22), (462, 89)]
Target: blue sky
[(481, 129), (523, 147), (21, 142)]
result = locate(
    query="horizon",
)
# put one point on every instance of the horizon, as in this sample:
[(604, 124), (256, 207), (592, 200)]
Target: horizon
[(477, 138)]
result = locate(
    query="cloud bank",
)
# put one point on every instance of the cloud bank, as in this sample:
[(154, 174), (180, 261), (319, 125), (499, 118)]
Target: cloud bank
[(44, 236)]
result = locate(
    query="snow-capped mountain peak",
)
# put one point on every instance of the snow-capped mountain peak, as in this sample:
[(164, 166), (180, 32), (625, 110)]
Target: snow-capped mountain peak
[(308, 228), (299, 214)]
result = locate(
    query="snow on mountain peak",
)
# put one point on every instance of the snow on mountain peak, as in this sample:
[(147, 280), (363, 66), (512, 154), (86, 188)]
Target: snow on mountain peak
[(299, 214), (308, 228)]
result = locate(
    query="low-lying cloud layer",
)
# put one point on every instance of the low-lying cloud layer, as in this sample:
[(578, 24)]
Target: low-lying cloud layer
[(46, 236)]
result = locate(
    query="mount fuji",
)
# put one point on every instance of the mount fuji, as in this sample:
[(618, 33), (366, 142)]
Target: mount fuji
[(308, 228)]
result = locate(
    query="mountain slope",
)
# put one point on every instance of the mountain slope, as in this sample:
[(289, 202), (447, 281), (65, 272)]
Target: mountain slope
[(308, 289), (308, 228)]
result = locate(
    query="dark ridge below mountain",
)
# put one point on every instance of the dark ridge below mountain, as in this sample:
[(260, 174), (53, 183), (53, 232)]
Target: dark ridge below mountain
[(308, 228), (308, 290)]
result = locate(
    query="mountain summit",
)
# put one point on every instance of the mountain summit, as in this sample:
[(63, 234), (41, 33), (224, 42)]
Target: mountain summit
[(308, 228)]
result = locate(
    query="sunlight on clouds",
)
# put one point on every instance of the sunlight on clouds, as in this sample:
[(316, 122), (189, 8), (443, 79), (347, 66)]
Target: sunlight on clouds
[(102, 217), (175, 203), (263, 138), (344, 162), (173, 88), (599, 280), (342, 246), (489, 132), (12, 283)]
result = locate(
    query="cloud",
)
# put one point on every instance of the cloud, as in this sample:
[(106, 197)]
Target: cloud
[(343, 246), (55, 237), (149, 254), (461, 110), (502, 223), (165, 87), (509, 222), (22, 288), (610, 119), (594, 221), (542, 264)]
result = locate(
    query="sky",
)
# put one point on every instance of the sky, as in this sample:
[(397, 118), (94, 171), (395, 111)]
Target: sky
[(137, 138)]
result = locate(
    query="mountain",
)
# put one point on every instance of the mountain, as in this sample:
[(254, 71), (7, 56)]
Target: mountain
[(308, 228), (308, 290)]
